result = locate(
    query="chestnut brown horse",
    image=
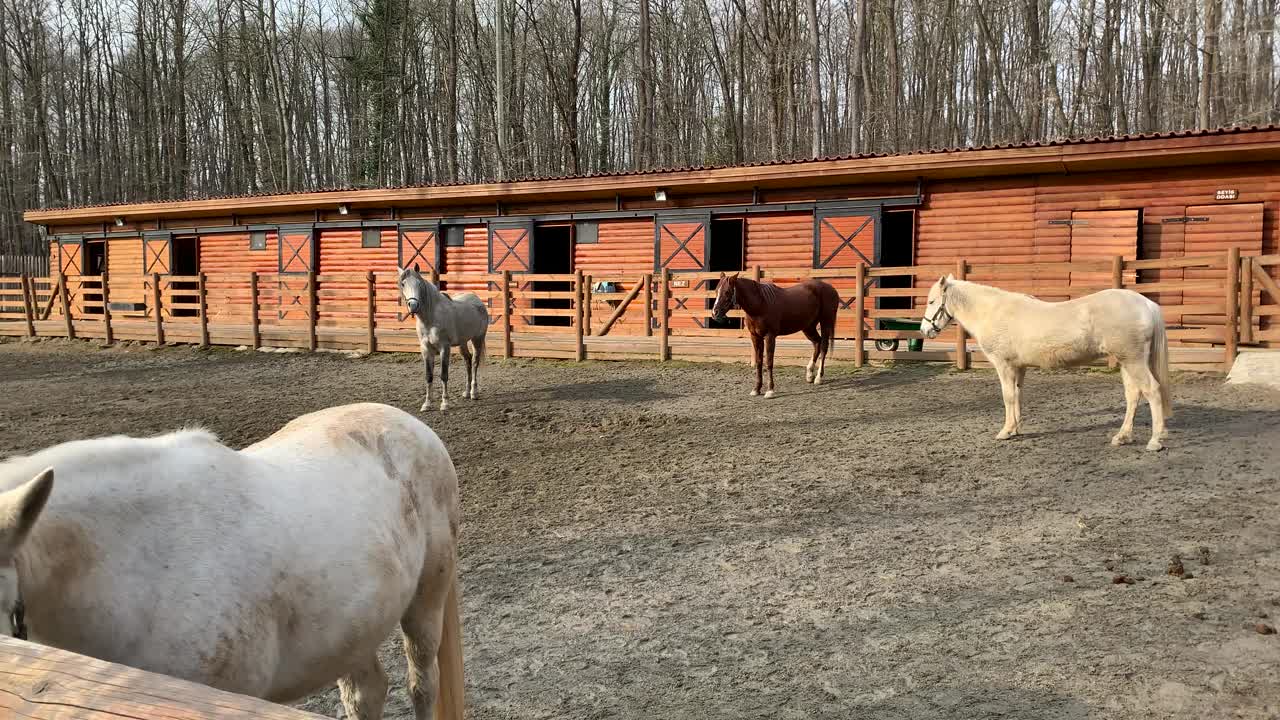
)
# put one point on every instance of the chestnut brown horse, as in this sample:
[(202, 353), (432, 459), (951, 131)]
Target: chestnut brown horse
[(772, 311)]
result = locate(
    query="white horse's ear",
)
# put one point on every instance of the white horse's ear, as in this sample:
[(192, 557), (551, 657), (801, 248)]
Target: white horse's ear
[(19, 509)]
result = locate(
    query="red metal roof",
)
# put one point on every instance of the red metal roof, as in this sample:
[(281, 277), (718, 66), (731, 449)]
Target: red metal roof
[(1072, 141)]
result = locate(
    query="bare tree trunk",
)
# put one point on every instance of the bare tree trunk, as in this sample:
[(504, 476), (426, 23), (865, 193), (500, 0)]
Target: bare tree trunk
[(815, 74), (857, 72), (500, 88), (1209, 66)]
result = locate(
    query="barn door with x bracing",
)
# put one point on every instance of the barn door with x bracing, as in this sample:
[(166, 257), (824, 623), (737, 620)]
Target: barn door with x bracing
[(846, 238), (297, 260), (157, 254), (680, 242), (420, 245), (509, 247)]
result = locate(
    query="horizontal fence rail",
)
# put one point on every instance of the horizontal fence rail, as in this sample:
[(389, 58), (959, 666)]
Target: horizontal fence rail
[(1212, 305)]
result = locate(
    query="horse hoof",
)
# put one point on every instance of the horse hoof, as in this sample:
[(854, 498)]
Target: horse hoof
[(425, 407), (755, 393), (1004, 435), (768, 395), (817, 380), (1119, 440), (444, 405), (1154, 445)]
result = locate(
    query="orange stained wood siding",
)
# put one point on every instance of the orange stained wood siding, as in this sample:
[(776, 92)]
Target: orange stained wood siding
[(622, 254), (1099, 236), (227, 260), (124, 263), (784, 240), (1212, 230), (344, 300), (472, 258)]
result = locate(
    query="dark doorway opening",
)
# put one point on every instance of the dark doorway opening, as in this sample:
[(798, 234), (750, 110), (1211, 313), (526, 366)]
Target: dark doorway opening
[(185, 263), (95, 263), (897, 238), (726, 252), (552, 253)]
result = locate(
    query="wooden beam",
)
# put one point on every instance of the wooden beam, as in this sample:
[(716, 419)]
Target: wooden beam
[(962, 338), (622, 308), (66, 306), (371, 311), (1117, 282), (158, 307), (648, 304), (255, 327), (859, 315), (507, 348), (106, 309), (28, 304), (1231, 316), (313, 306), (43, 683), (1267, 282), (579, 315), (1246, 301), (586, 305), (204, 311), (664, 316)]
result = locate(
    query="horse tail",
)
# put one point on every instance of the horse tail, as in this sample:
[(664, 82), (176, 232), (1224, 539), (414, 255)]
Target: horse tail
[(449, 699), (1158, 360)]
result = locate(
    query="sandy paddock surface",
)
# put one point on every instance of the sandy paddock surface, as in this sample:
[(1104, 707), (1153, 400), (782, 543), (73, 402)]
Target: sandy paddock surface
[(647, 541)]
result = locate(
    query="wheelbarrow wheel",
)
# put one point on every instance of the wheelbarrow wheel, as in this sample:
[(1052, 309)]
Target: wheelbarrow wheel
[(887, 345)]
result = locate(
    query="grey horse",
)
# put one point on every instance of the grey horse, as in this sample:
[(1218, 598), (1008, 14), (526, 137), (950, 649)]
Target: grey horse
[(444, 322)]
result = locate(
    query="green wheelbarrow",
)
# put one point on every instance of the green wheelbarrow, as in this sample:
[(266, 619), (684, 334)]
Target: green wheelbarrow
[(914, 344)]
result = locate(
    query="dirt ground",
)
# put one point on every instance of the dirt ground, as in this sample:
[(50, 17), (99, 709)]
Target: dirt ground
[(647, 541)]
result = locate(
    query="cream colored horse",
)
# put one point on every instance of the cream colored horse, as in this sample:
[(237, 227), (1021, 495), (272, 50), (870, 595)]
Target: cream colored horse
[(271, 572), (1017, 331)]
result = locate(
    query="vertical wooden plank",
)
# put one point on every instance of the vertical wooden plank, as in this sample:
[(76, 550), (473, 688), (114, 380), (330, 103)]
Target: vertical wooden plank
[(578, 315), (648, 304), (586, 306), (664, 317), (157, 307), (1117, 282), (1231, 328), (106, 309), (371, 324), (507, 348), (204, 310), (255, 332), (962, 338), (66, 307), (757, 273), (312, 307), (859, 314), (29, 304), (1246, 300)]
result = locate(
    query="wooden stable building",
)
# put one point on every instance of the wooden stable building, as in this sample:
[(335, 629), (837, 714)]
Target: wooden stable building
[(1056, 219)]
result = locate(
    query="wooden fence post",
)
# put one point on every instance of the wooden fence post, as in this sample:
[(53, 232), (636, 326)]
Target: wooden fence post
[(1246, 301), (204, 309), (664, 318), (586, 305), (1117, 282), (255, 333), (648, 304), (859, 314), (66, 306), (313, 306), (508, 350), (371, 291), (578, 315), (757, 273), (158, 307), (962, 338), (106, 310), (28, 304), (1230, 320)]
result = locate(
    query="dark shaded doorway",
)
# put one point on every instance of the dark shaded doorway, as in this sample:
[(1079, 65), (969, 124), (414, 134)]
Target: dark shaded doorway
[(726, 252), (95, 263), (552, 253), (185, 263), (897, 238)]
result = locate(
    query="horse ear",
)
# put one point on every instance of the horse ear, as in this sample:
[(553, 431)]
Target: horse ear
[(415, 267), (19, 509), (942, 281)]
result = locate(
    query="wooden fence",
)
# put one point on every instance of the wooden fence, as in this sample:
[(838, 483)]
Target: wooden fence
[(35, 265), (1215, 304)]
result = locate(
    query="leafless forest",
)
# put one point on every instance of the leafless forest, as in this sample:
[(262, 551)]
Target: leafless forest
[(105, 100)]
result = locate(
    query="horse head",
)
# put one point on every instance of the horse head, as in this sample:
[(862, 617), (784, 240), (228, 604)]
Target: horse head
[(726, 296), (936, 315), (19, 509), (416, 290)]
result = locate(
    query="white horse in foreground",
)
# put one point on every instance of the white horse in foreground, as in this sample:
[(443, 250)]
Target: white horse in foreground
[(270, 572), (443, 322), (1017, 331)]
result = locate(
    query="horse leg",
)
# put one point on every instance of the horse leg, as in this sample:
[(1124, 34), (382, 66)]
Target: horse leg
[(1019, 373), (1008, 388), (1132, 395), (445, 352), (757, 350), (364, 690), (769, 341), (1150, 387), (428, 360), (466, 360), (422, 626), (816, 339), (479, 360)]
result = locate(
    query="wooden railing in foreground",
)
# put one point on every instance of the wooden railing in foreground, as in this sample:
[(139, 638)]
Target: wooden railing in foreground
[(1211, 304), (43, 683)]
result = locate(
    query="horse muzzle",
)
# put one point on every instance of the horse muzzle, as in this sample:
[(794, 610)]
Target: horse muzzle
[(413, 305)]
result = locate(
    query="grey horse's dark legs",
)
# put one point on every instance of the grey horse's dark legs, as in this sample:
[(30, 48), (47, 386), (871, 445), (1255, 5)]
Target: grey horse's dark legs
[(466, 361), (445, 352), (479, 360), (429, 362)]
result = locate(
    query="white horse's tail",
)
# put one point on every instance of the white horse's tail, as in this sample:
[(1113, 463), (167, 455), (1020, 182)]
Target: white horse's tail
[(1158, 359), (450, 697)]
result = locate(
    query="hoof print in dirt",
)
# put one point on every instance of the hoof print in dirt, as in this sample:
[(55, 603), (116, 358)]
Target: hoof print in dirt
[(1204, 555), (1122, 580), (1067, 579), (1110, 565), (1263, 629), (1176, 568)]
